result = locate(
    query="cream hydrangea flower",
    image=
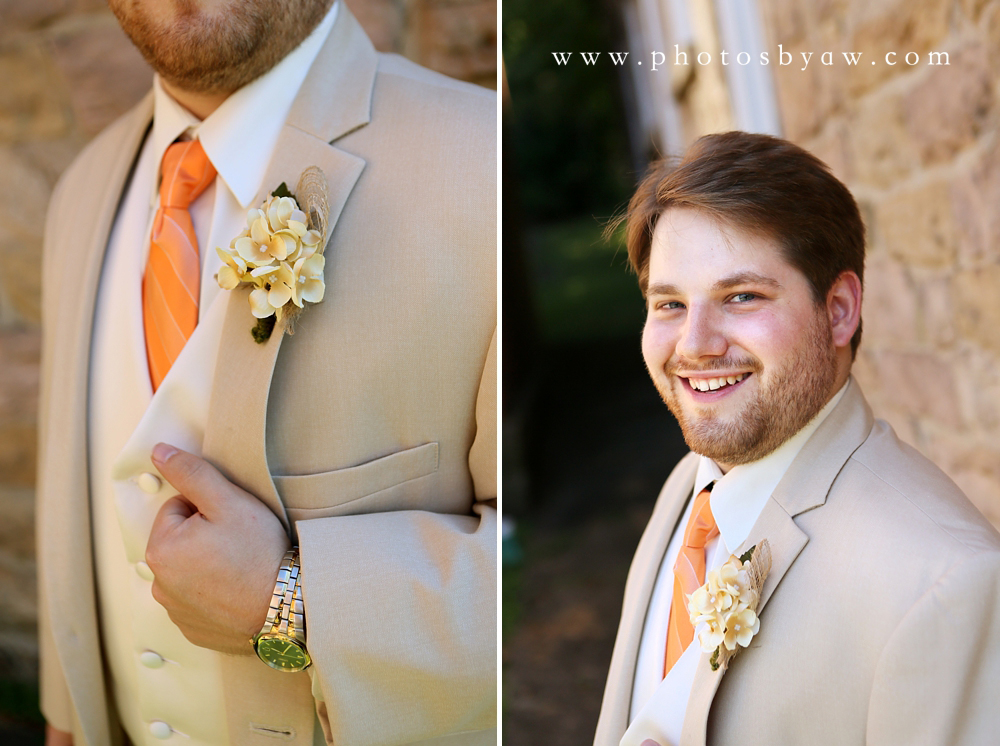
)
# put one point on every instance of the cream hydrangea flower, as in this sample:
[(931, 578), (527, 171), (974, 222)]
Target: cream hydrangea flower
[(279, 255), (740, 629), (724, 608)]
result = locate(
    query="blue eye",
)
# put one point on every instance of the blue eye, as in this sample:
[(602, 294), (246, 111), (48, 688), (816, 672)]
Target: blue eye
[(744, 297)]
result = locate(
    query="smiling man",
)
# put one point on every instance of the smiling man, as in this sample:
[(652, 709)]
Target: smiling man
[(878, 622)]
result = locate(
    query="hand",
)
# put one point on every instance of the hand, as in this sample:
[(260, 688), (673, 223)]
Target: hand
[(55, 737), (214, 550)]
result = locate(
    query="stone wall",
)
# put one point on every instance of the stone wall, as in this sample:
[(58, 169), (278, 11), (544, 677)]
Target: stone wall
[(918, 145), (67, 70)]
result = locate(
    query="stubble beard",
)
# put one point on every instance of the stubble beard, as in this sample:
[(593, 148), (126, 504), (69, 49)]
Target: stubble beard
[(222, 51), (783, 405)]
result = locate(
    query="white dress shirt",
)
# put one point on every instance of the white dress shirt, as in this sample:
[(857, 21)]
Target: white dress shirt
[(165, 687), (737, 500)]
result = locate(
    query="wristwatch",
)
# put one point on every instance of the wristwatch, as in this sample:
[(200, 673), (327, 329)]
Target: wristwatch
[(281, 642)]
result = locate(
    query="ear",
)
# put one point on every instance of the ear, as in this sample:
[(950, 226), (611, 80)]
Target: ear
[(843, 307)]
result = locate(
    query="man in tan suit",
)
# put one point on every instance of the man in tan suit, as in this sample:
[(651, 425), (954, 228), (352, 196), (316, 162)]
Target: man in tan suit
[(879, 621), (367, 439)]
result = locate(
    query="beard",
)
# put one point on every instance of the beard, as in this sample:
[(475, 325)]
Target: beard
[(220, 51), (786, 399)]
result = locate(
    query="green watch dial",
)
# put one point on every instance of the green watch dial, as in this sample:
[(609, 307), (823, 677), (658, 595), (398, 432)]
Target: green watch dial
[(282, 653)]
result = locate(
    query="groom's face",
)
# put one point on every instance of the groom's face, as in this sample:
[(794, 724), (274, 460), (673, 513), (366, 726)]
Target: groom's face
[(216, 46), (734, 339)]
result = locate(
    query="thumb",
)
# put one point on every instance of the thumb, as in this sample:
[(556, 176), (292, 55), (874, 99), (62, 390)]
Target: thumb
[(198, 481)]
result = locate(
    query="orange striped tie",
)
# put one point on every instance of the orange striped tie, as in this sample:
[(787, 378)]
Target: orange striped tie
[(689, 575), (171, 286)]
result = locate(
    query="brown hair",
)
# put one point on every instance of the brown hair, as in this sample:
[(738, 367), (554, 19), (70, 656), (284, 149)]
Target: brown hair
[(762, 185)]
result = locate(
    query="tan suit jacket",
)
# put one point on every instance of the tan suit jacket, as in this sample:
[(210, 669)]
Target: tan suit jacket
[(371, 432), (880, 619)]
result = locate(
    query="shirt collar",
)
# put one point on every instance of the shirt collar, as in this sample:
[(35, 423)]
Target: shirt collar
[(740, 495), (257, 111)]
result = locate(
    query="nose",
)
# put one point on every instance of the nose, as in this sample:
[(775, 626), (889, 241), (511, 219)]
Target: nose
[(701, 336)]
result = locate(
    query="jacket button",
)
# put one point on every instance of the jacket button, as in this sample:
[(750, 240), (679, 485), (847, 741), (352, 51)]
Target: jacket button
[(149, 483), (150, 659), (160, 730), (143, 571)]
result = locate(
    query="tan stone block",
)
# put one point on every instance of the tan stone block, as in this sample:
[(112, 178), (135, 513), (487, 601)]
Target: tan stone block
[(20, 355), (831, 147), (105, 73), (19, 612), (879, 146), (938, 312), (866, 371), (383, 21), (918, 384), (978, 383), (31, 103), (899, 26), (19, 15), (890, 309), (18, 453), (50, 157), (809, 97), (17, 522), (19, 372), (975, 194), (24, 195), (786, 20), (950, 108), (917, 227), (983, 491), (972, 8), (455, 38), (21, 281), (977, 305)]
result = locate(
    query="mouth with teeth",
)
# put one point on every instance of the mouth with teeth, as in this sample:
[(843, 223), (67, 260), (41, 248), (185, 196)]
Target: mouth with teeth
[(711, 385)]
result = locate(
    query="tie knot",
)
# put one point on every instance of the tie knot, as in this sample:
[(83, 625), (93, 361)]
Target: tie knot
[(186, 173), (701, 526)]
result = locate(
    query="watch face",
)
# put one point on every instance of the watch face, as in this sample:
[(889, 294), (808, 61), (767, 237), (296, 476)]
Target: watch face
[(282, 653)]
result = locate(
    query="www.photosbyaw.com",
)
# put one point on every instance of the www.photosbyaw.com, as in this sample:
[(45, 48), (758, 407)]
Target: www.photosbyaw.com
[(659, 59)]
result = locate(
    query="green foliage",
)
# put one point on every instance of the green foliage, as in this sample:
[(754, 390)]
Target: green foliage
[(567, 124), (748, 555), (19, 702), (582, 285), (282, 191), (714, 660), (262, 331)]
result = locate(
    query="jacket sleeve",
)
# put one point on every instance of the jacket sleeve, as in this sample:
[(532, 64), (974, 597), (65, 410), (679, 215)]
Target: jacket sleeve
[(401, 610), (936, 681)]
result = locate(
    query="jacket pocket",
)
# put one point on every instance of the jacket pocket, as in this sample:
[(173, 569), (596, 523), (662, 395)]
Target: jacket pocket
[(333, 491)]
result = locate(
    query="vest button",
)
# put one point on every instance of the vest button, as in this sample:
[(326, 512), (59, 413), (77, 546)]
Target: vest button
[(149, 483), (150, 659), (143, 571), (160, 730)]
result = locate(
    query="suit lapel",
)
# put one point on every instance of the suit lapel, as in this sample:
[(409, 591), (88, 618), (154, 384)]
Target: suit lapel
[(805, 486), (237, 419), (638, 591)]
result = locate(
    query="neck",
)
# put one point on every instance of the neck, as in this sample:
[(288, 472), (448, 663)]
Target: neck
[(199, 104)]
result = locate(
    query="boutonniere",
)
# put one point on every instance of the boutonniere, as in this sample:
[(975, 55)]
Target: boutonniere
[(727, 604), (280, 253)]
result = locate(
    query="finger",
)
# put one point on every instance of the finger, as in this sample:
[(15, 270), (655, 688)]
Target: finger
[(173, 512), (196, 479), (171, 516), (649, 742)]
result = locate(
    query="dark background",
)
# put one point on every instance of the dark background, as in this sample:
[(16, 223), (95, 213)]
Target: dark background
[(587, 442)]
